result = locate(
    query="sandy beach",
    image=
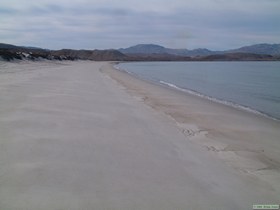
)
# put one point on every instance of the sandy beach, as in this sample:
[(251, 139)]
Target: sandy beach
[(82, 135)]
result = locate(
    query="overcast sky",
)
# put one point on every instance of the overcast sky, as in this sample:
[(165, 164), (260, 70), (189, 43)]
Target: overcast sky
[(104, 24)]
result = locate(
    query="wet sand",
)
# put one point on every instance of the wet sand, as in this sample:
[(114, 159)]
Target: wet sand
[(81, 135)]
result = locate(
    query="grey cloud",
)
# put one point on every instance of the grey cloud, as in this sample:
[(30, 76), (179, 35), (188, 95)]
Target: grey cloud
[(5, 10), (103, 24)]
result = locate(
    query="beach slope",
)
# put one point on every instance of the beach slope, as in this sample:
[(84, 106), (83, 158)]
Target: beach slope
[(81, 135)]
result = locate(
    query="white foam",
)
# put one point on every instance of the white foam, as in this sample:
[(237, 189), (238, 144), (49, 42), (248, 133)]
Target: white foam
[(228, 103), (117, 67), (224, 102)]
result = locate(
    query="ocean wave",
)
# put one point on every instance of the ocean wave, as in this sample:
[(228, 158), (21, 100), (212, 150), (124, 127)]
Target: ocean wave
[(220, 101), (193, 92), (117, 67)]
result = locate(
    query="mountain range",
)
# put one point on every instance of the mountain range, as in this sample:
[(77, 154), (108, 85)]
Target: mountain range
[(265, 49), (143, 52)]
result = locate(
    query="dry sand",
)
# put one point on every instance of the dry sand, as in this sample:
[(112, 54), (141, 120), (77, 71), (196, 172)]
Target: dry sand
[(75, 137)]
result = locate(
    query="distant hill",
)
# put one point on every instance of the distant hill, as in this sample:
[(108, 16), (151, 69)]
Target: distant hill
[(10, 52), (144, 49), (143, 52), (237, 57), (269, 49), (149, 49), (157, 49), (8, 46), (97, 55)]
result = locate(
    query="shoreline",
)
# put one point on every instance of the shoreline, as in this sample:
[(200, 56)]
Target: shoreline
[(201, 95), (246, 141), (221, 101)]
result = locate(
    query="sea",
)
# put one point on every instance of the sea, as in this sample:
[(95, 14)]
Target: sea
[(252, 86)]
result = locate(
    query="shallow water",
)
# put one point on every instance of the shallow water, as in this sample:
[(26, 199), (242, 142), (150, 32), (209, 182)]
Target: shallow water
[(254, 86)]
